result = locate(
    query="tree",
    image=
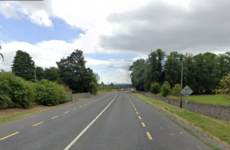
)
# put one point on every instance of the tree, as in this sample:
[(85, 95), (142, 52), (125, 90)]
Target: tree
[(224, 87), (52, 74), (23, 66), (154, 69), (137, 69), (155, 88), (172, 67), (111, 84), (73, 72), (39, 73)]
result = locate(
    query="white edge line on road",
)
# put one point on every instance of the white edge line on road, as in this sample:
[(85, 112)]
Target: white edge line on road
[(86, 128)]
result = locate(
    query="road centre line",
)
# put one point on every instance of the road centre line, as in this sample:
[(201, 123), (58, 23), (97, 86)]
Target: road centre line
[(137, 112), (87, 127), (55, 117), (66, 112), (139, 117), (38, 124), (74, 108), (80, 106), (149, 136), (143, 124), (8, 136)]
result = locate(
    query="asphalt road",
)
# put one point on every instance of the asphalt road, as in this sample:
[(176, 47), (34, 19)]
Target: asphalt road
[(113, 121)]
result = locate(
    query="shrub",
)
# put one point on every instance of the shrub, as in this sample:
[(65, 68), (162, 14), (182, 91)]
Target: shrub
[(93, 88), (5, 90), (15, 91), (62, 95), (46, 93), (50, 93), (167, 83), (155, 88), (165, 90), (176, 90)]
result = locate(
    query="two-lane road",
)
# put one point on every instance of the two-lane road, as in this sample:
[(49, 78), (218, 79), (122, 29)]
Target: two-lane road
[(113, 121)]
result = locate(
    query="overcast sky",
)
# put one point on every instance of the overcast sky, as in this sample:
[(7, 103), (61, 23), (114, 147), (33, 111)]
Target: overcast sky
[(112, 34)]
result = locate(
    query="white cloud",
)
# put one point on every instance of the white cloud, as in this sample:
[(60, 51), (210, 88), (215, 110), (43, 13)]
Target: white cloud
[(124, 75), (143, 57), (40, 18), (9, 10), (43, 56)]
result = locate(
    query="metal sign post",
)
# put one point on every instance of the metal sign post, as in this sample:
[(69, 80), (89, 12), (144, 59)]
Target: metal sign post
[(186, 91)]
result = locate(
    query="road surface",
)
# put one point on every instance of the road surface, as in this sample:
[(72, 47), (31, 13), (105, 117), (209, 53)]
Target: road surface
[(112, 121)]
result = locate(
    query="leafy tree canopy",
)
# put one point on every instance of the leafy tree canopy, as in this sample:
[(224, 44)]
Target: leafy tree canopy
[(73, 72), (52, 74), (23, 65), (137, 69), (39, 73)]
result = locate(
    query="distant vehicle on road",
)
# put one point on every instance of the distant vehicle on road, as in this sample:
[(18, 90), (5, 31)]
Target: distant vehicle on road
[(122, 89)]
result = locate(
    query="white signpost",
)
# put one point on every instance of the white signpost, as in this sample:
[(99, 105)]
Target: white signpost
[(186, 91)]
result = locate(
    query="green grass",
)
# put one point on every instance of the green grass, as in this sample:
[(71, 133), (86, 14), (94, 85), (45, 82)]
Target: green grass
[(16, 116), (99, 92), (210, 99), (208, 125)]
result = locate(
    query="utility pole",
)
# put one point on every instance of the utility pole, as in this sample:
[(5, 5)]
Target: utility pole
[(181, 84)]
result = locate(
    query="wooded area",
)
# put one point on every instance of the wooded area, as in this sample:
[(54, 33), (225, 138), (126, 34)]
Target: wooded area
[(202, 72), (28, 84), (71, 71)]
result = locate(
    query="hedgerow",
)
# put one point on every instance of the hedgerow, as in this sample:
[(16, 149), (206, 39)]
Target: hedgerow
[(16, 92)]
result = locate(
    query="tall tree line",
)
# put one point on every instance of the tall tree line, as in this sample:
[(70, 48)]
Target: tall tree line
[(202, 72), (71, 71)]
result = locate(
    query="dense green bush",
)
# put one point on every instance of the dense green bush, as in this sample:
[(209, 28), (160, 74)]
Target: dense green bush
[(176, 90), (50, 93), (167, 83), (155, 88), (62, 95), (16, 92), (93, 88), (165, 90)]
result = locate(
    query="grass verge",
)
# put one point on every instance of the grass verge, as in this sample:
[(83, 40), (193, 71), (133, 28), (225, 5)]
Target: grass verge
[(8, 115), (218, 130)]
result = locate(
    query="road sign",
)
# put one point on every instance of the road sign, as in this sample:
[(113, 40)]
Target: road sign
[(125, 86), (130, 87), (186, 91)]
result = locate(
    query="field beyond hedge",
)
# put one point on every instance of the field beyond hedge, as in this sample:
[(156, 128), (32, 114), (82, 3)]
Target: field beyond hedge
[(210, 99)]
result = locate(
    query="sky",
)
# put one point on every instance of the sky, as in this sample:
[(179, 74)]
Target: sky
[(111, 34)]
